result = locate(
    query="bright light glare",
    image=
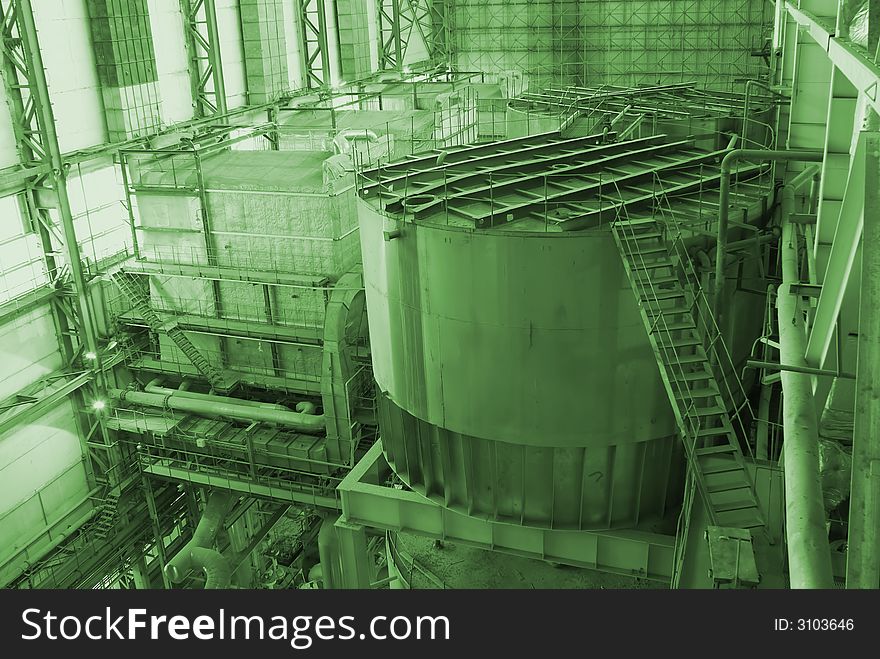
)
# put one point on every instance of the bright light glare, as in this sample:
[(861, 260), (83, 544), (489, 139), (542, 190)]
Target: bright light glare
[(99, 405)]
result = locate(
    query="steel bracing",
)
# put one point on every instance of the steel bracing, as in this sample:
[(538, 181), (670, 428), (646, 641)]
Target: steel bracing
[(206, 65), (404, 21), (715, 43), (46, 203)]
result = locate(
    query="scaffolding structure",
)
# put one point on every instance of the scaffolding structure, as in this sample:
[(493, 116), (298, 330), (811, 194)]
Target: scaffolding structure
[(716, 43)]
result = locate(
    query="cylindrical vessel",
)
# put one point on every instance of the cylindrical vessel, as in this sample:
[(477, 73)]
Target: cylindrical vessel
[(517, 382)]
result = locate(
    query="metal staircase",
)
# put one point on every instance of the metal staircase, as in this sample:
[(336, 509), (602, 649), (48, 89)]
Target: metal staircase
[(692, 360), (106, 515), (127, 284)]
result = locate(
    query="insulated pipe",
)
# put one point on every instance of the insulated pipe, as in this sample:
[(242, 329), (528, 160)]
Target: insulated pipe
[(724, 204), (155, 387), (328, 552), (809, 554), (199, 552), (331, 40), (226, 407)]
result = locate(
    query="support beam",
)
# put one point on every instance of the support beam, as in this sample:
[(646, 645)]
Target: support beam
[(367, 502), (863, 557), (863, 73), (354, 558), (840, 121), (842, 256)]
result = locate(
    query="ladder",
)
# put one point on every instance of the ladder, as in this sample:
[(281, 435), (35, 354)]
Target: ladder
[(667, 307), (128, 285)]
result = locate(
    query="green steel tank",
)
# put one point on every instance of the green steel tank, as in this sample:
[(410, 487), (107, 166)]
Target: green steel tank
[(516, 379)]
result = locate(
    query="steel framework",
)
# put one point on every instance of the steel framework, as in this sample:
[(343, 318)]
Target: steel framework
[(399, 21), (313, 35), (206, 66), (46, 196)]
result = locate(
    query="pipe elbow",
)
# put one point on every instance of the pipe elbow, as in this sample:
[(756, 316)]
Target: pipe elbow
[(305, 407)]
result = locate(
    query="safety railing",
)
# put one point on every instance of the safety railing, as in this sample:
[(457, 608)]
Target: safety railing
[(720, 359), (299, 255), (256, 318)]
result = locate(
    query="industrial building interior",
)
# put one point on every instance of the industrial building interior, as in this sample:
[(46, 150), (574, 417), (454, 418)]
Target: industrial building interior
[(389, 294)]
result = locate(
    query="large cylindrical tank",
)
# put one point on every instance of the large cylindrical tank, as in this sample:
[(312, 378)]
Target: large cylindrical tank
[(516, 378)]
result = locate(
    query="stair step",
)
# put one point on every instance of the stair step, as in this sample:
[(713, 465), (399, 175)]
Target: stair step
[(741, 519), (659, 311), (679, 325), (656, 281), (676, 358), (627, 224), (652, 265), (678, 342), (715, 450), (647, 234), (741, 504), (701, 392), (692, 376), (641, 250), (715, 466), (726, 481), (661, 294)]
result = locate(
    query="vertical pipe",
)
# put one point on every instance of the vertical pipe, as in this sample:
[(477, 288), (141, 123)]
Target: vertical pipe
[(809, 555), (863, 557), (333, 51)]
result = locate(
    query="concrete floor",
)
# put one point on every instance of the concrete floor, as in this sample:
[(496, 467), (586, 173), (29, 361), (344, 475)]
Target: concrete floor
[(457, 566)]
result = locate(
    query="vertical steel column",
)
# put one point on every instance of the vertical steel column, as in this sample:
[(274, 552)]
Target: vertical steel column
[(354, 557), (43, 108), (392, 43), (157, 528), (313, 35), (206, 63), (41, 116), (863, 557)]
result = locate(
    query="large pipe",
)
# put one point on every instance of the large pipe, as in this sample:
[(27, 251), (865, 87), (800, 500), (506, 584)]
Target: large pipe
[(724, 204), (809, 554), (199, 552), (225, 407), (155, 387)]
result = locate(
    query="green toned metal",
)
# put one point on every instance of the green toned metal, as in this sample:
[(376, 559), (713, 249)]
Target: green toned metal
[(38, 140), (355, 568), (368, 503), (844, 244), (863, 557), (344, 328), (688, 347), (518, 380), (727, 165), (853, 63), (570, 487), (206, 64), (129, 287), (278, 492), (392, 46), (809, 555), (313, 33)]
